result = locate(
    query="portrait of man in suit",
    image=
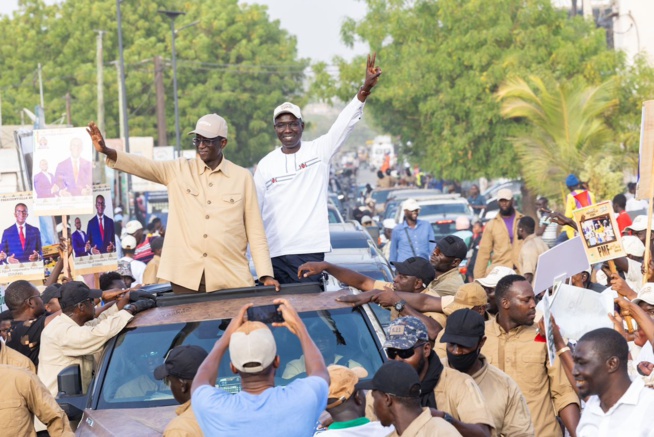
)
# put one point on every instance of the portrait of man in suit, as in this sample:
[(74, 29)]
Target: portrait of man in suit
[(20, 242), (81, 244), (74, 175), (100, 230), (44, 182)]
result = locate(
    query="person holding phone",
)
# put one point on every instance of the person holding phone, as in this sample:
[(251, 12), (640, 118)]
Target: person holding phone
[(293, 410)]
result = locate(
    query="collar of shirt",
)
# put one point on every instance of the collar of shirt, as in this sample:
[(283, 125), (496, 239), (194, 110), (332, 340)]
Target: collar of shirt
[(224, 166), (529, 237), (494, 328), (350, 423), (446, 275), (418, 422), (484, 368), (182, 408), (630, 397)]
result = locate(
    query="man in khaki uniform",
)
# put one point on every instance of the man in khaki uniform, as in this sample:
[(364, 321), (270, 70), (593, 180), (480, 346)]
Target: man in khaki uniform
[(515, 347), (395, 391), (177, 371), (499, 243), (454, 394), (214, 213), (464, 336), (532, 247), (25, 396), (10, 357), (446, 257)]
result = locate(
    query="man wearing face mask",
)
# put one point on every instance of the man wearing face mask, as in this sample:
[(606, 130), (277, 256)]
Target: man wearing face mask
[(464, 336), (499, 244)]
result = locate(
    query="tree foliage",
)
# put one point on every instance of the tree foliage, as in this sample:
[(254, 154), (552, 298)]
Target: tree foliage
[(235, 62), (444, 61)]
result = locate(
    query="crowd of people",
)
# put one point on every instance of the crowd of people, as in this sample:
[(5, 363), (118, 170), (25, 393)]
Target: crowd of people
[(467, 351)]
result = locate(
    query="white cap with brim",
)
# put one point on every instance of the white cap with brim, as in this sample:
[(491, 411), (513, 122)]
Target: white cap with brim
[(128, 242), (494, 276), (633, 246), (504, 194), (132, 226), (646, 294), (410, 205), (287, 108), (639, 224), (210, 126), (389, 224), (252, 347)]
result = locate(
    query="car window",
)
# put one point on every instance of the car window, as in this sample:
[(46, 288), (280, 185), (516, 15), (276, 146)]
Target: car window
[(443, 228), (380, 196), (334, 216), (444, 209), (353, 242), (341, 334)]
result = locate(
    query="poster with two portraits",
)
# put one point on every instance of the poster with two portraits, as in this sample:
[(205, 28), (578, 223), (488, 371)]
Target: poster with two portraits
[(62, 186)]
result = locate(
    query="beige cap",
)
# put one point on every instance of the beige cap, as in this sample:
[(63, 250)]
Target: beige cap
[(494, 276), (633, 246), (639, 223), (646, 294), (342, 382), (132, 226), (252, 347), (287, 108), (467, 296), (410, 205), (505, 193), (128, 242), (210, 126)]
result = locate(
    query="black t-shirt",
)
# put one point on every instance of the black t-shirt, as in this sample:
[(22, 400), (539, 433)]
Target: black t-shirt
[(25, 337)]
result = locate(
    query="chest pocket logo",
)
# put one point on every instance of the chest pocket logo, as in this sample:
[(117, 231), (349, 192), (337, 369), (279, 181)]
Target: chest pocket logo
[(232, 199)]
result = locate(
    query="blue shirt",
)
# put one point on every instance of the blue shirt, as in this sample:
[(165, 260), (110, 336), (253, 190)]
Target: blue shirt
[(420, 236), (287, 411)]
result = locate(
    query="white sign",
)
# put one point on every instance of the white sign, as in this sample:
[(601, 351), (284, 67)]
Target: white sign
[(561, 261)]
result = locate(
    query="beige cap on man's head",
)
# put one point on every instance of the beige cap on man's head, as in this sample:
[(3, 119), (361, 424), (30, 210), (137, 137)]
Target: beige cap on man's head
[(504, 194), (287, 108), (252, 347), (467, 296), (210, 126), (495, 275), (342, 382)]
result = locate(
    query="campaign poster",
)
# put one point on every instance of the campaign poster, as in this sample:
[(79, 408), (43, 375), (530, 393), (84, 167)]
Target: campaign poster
[(599, 232), (62, 172), (22, 243), (93, 236)]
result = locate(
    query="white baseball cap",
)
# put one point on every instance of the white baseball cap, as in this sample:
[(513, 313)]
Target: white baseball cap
[(210, 126), (505, 194), (252, 347), (646, 294), (639, 223), (495, 275), (462, 223), (633, 246), (128, 242), (132, 226), (287, 108), (410, 205), (389, 224)]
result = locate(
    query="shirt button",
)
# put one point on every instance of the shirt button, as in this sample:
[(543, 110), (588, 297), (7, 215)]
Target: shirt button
[(205, 235), (206, 216), (208, 202), (188, 191), (204, 255), (231, 200), (211, 184)]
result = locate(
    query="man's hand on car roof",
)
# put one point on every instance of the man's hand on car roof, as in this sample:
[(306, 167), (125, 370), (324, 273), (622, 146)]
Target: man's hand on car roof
[(359, 299)]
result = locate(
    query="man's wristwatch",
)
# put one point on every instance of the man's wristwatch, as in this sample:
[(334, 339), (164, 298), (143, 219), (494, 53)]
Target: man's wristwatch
[(130, 308), (400, 306), (449, 419)]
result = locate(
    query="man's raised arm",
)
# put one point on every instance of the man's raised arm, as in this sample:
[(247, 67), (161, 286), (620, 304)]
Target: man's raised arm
[(98, 142), (346, 276)]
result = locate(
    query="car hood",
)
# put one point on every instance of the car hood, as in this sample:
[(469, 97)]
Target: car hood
[(133, 422)]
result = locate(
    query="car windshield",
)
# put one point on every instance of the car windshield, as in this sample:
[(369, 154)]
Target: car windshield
[(443, 228), (380, 196), (444, 209), (334, 216), (342, 335)]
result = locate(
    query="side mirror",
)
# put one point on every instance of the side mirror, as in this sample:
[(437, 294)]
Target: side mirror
[(69, 392)]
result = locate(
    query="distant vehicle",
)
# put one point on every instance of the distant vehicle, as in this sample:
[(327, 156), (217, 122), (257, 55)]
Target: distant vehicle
[(442, 212), (381, 146), (395, 199), (381, 196), (492, 207), (334, 215)]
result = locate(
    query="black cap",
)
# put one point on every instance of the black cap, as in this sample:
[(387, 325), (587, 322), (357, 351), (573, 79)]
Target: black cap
[(394, 378), (51, 292), (182, 362), (75, 292), (464, 327), (418, 267), (452, 246)]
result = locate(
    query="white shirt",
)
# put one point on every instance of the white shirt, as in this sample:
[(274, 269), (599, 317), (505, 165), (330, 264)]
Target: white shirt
[(292, 189), (634, 275), (64, 343), (635, 205), (630, 416), (137, 267)]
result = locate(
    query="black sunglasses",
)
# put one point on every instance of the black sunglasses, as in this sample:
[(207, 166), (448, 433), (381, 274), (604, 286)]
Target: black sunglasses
[(402, 353)]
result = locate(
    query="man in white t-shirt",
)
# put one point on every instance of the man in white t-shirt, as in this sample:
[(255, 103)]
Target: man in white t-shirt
[(137, 267), (292, 182)]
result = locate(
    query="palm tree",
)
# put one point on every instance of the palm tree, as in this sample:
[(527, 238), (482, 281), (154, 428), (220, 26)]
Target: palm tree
[(564, 128)]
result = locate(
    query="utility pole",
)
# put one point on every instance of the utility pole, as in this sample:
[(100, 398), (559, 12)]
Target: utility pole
[(69, 117), (41, 93), (123, 88), (162, 137), (100, 80)]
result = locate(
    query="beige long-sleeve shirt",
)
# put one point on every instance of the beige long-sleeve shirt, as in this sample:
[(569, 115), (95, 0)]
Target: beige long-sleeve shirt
[(11, 357), (214, 214), (23, 396), (496, 247), (64, 343)]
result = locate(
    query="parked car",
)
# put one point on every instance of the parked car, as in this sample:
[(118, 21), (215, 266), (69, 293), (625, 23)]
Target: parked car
[(334, 215), (441, 211), (106, 409), (395, 200)]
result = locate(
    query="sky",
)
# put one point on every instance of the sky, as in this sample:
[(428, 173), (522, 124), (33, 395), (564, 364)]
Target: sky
[(315, 23)]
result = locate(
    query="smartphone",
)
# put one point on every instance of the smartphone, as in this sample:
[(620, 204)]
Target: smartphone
[(265, 314)]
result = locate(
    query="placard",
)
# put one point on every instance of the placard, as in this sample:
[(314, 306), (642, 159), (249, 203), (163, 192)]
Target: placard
[(560, 262), (93, 235), (549, 329), (21, 246), (62, 172), (599, 232), (646, 153)]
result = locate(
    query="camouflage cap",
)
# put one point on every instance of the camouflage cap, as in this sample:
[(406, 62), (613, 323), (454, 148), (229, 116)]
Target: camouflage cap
[(405, 333)]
